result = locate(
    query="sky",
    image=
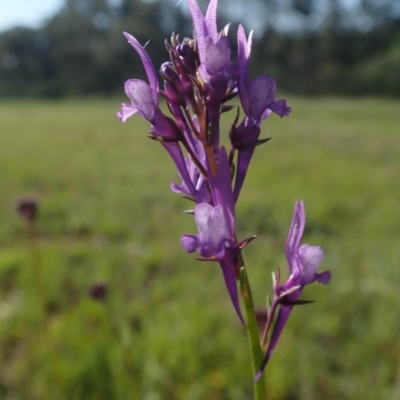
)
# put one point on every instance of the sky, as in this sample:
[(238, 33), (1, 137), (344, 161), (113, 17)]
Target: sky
[(30, 13), (33, 13)]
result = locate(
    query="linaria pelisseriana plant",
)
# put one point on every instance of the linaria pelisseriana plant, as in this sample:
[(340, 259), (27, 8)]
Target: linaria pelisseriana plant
[(199, 82)]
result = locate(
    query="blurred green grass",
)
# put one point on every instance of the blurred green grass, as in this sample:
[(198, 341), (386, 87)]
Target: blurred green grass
[(167, 329)]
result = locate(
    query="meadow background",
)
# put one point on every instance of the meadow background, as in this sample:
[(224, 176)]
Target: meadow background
[(166, 329)]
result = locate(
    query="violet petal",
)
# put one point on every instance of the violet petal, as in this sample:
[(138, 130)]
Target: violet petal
[(295, 232), (280, 107), (126, 112), (190, 243), (262, 92), (231, 285), (147, 64), (310, 259), (214, 229), (141, 96), (244, 50), (211, 20)]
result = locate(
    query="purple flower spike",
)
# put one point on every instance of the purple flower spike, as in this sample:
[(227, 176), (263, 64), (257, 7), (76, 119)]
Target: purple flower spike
[(144, 97), (303, 262)]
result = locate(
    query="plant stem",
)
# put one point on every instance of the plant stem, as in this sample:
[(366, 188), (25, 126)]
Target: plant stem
[(252, 331)]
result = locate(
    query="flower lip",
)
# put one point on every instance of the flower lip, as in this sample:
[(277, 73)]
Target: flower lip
[(214, 230), (142, 99), (310, 259)]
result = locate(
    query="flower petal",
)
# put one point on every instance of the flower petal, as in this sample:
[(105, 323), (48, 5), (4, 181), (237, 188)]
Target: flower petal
[(295, 232), (262, 92), (190, 243), (230, 282), (244, 49), (310, 259), (217, 55), (199, 27), (140, 94), (147, 64), (126, 112), (324, 277), (280, 107), (211, 20), (214, 229), (222, 188)]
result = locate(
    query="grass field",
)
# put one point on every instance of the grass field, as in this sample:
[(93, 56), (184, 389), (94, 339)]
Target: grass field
[(166, 329)]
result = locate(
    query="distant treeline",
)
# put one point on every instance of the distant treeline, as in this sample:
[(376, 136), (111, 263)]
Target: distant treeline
[(311, 47)]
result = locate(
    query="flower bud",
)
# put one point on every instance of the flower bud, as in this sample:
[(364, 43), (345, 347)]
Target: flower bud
[(173, 89)]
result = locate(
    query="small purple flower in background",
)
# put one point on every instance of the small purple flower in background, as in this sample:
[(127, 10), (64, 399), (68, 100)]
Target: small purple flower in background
[(98, 291), (303, 262), (27, 208)]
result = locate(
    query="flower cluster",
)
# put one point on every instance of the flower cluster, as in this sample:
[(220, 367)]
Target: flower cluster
[(199, 81)]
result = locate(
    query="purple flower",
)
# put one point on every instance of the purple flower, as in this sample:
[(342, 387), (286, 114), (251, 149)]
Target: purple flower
[(144, 97), (258, 96), (258, 101), (215, 235), (303, 262), (144, 101), (216, 225), (27, 208), (98, 291), (213, 48)]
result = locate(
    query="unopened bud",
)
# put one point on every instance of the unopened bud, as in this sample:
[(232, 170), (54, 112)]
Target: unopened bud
[(188, 56), (173, 89)]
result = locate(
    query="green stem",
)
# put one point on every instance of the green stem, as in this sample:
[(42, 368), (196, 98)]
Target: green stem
[(252, 331)]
